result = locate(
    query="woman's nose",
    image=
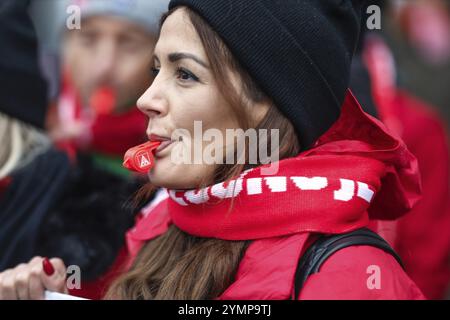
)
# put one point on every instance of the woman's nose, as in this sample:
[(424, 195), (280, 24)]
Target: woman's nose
[(152, 102)]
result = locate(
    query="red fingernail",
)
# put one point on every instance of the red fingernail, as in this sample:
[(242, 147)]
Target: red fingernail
[(48, 267)]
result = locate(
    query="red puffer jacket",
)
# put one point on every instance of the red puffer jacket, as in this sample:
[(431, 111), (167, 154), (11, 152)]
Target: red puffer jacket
[(268, 266)]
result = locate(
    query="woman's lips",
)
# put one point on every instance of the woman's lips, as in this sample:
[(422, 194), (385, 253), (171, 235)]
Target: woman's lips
[(163, 146), (165, 142)]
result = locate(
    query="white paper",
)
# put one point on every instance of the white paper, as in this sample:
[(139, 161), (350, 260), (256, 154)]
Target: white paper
[(49, 295)]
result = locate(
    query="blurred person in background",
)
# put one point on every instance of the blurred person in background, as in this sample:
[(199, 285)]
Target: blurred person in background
[(418, 34), (21, 115), (106, 66), (422, 238), (27, 160)]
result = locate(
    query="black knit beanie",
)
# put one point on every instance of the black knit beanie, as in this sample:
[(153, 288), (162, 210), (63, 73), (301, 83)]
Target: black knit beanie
[(298, 51), (23, 91)]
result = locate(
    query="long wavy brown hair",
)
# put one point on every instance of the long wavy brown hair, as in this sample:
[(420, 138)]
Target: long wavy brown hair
[(177, 265)]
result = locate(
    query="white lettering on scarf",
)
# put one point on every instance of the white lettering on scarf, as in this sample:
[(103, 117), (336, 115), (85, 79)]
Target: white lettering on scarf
[(347, 190), (315, 183), (276, 184), (254, 186), (180, 201), (197, 197), (232, 190), (364, 192)]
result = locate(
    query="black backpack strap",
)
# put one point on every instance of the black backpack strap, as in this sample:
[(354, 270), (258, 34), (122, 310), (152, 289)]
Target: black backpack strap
[(326, 245)]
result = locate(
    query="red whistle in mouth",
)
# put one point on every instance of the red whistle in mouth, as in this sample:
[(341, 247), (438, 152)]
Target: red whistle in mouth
[(140, 158)]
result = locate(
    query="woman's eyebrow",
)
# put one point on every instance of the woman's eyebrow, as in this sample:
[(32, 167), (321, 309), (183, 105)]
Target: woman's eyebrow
[(181, 55)]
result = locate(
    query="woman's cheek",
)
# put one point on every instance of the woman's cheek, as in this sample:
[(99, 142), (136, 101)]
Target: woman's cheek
[(163, 174), (183, 167), (180, 176)]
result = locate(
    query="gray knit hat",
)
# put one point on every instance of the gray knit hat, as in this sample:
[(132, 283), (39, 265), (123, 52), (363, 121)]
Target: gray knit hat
[(143, 12)]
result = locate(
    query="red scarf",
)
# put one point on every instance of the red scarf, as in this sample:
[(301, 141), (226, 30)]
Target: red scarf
[(355, 171)]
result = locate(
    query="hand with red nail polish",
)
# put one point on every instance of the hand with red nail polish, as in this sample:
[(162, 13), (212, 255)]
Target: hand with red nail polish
[(29, 281), (48, 267)]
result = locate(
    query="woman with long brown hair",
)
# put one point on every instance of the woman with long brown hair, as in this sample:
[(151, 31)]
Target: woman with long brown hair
[(237, 230)]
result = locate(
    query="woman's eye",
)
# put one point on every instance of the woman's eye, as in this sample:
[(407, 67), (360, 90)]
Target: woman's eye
[(185, 75), (155, 71)]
